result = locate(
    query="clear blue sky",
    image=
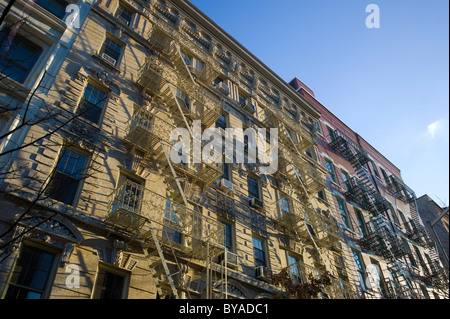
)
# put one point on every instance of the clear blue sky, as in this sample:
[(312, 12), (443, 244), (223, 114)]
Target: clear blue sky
[(390, 85)]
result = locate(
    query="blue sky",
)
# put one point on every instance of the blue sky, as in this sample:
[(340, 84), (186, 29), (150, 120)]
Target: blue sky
[(390, 85)]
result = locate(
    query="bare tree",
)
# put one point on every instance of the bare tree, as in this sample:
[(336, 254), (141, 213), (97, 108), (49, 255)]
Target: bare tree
[(49, 126)]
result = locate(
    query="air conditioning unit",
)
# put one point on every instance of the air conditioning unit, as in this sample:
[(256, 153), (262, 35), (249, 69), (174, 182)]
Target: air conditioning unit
[(232, 259), (248, 106), (226, 185), (108, 59), (223, 88), (263, 273), (256, 203)]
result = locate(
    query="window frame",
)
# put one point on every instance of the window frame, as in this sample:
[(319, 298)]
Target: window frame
[(114, 271), (115, 40), (102, 107), (122, 4), (332, 174), (345, 216), (30, 244), (258, 188), (362, 273), (83, 171), (263, 250), (27, 36)]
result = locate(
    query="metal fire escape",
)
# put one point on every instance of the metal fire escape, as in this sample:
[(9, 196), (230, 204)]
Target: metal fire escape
[(298, 215), (416, 232), (155, 219), (381, 238)]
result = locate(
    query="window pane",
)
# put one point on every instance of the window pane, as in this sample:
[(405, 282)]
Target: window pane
[(112, 49), (92, 104), (108, 285), (64, 182), (57, 7), (124, 13), (30, 274), (253, 189), (258, 252), (18, 55)]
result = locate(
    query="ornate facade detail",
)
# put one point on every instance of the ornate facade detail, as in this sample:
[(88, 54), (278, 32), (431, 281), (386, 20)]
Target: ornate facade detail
[(118, 252)]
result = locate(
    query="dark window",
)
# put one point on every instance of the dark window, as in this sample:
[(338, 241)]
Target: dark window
[(321, 195), (112, 49), (361, 222), (66, 177), (259, 252), (253, 188), (228, 240), (331, 133), (57, 7), (331, 172), (226, 172), (124, 14), (31, 273), (91, 105), (360, 268), (222, 122), (374, 167), (18, 55), (108, 285), (344, 213)]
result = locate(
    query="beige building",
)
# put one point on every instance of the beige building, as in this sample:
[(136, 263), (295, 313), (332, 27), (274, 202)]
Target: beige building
[(99, 208)]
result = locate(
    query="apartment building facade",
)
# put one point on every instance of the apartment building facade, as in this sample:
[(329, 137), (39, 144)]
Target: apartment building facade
[(101, 208), (389, 245), (437, 220)]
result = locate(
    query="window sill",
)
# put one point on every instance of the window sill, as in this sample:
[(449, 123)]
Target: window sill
[(13, 88), (104, 62)]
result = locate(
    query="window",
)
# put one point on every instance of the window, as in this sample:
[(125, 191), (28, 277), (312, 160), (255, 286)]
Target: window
[(361, 223), (318, 127), (321, 195), (331, 172), (222, 122), (64, 183), (132, 194), (111, 51), (345, 177), (108, 285), (124, 14), (386, 178), (344, 213), (183, 99), (56, 7), (311, 153), (284, 204), (379, 277), (172, 216), (374, 167), (242, 98), (259, 253), (331, 133), (253, 188), (405, 222), (91, 105), (228, 240), (360, 268), (18, 55), (31, 274), (226, 171), (294, 268)]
